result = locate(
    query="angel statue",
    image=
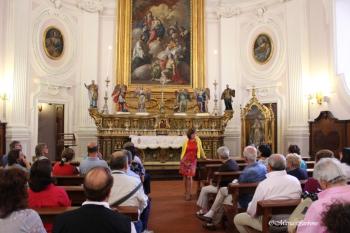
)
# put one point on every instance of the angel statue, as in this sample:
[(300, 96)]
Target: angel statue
[(227, 96), (202, 98), (119, 94), (182, 98), (142, 96)]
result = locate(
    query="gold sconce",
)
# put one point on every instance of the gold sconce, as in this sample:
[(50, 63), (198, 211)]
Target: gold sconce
[(318, 97), (40, 107)]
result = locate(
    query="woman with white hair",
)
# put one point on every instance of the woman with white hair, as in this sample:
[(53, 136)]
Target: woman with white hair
[(333, 182), (293, 167)]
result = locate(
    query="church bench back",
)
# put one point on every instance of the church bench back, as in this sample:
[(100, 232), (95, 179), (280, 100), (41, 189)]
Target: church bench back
[(267, 208), (48, 214), (68, 180), (76, 194)]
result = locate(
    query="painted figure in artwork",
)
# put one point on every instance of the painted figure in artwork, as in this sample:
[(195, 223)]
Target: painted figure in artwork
[(227, 96), (93, 93), (161, 42), (142, 97), (119, 97), (202, 98)]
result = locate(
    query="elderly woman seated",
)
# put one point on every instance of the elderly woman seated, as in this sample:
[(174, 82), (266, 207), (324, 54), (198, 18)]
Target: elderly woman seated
[(293, 167), (333, 182)]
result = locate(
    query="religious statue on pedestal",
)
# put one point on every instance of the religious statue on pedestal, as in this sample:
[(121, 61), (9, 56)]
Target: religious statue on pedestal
[(143, 96), (182, 98), (202, 98), (119, 97), (227, 96), (93, 93)]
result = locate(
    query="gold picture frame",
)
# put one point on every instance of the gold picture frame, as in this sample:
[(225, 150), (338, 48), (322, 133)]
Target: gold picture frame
[(125, 42), (263, 48), (53, 42)]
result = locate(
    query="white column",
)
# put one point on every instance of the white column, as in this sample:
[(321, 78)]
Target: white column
[(296, 131), (17, 35), (89, 37)]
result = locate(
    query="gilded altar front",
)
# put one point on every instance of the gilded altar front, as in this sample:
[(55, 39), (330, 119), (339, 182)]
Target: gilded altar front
[(113, 130)]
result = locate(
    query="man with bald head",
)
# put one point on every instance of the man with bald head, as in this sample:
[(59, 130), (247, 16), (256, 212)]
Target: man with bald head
[(95, 214), (278, 185), (92, 160)]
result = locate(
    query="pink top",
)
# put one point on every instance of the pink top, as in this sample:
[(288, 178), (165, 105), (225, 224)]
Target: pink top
[(312, 222), (52, 196)]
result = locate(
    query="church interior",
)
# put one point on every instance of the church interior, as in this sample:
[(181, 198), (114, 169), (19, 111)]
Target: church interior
[(241, 74)]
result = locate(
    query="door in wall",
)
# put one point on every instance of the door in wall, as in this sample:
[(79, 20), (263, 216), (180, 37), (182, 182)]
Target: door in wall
[(50, 127)]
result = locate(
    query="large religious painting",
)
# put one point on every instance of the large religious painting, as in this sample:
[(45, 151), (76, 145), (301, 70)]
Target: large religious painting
[(160, 42), (262, 51), (53, 43)]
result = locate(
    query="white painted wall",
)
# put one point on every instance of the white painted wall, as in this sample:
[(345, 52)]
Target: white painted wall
[(302, 32)]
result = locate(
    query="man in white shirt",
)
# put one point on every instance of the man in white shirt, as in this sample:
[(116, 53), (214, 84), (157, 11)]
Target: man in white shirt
[(277, 186), (127, 190)]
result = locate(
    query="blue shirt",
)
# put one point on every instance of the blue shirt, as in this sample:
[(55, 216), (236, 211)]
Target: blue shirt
[(252, 173), (91, 162), (303, 165)]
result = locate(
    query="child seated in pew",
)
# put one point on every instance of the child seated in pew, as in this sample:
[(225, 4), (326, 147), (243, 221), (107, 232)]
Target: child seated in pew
[(41, 192), (63, 167)]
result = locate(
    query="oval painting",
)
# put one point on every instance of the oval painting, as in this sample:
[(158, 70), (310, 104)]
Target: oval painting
[(53, 43), (262, 50)]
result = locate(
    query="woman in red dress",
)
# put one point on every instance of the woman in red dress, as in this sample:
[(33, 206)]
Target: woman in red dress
[(191, 151)]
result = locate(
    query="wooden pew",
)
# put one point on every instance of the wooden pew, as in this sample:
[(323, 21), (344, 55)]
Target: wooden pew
[(267, 208), (76, 194), (201, 172), (235, 189), (68, 180), (48, 214), (310, 164)]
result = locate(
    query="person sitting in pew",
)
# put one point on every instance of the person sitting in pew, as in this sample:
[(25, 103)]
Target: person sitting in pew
[(312, 185), (264, 152), (63, 167), (135, 165), (92, 160), (14, 213), (41, 152), (42, 192), (95, 214), (293, 167), (337, 218), (229, 165), (294, 149), (16, 159), (278, 185), (253, 172), (128, 190), (330, 175)]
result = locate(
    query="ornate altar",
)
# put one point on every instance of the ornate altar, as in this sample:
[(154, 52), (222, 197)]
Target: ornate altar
[(113, 130), (258, 124)]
